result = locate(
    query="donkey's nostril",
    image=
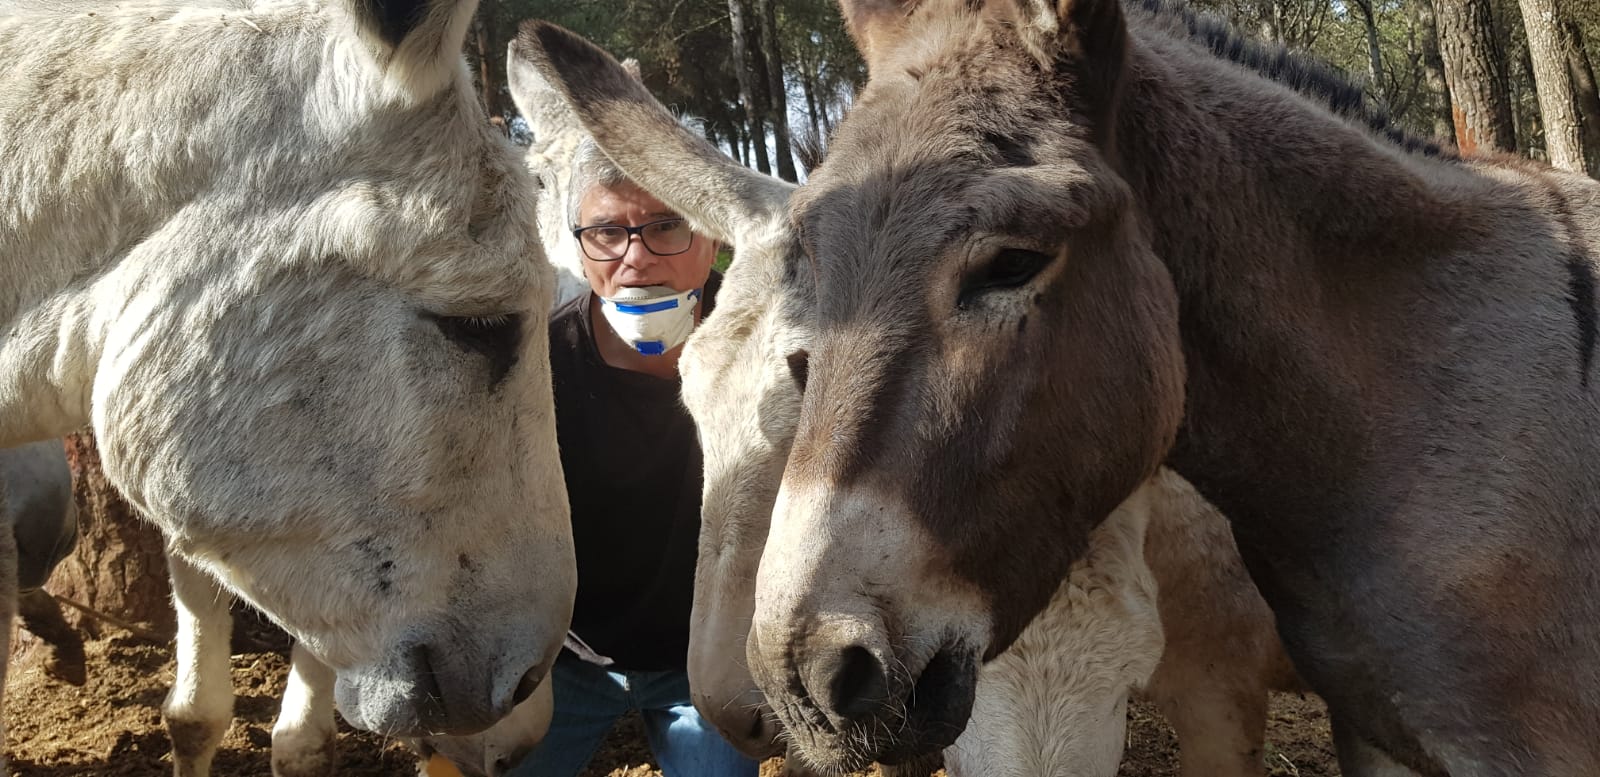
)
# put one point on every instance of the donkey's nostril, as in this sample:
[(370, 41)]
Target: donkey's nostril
[(503, 765), (527, 685), (430, 697), (858, 683), (757, 726)]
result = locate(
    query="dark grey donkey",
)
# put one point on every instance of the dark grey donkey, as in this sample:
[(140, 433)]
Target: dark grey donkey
[(38, 508)]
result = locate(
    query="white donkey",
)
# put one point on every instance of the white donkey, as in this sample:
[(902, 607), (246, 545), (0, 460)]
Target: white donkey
[(1056, 703), (303, 737), (277, 258), (1161, 588)]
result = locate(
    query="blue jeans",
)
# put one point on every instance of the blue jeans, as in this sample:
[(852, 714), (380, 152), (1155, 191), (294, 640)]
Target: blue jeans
[(588, 701)]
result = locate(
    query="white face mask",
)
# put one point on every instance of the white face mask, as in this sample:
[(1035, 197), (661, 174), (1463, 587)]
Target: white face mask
[(652, 319)]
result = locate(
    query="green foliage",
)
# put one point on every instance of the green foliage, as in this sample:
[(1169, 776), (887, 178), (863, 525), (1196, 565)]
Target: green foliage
[(816, 44), (685, 54), (1335, 31)]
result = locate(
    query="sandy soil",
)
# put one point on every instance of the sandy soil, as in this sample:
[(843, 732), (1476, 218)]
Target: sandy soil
[(111, 727)]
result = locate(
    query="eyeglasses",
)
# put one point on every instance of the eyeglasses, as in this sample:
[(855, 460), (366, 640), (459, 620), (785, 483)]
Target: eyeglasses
[(609, 242)]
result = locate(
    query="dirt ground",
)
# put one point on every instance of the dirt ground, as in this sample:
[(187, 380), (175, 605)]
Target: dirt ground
[(111, 727)]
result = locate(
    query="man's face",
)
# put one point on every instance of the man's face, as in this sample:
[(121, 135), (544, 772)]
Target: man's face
[(625, 204)]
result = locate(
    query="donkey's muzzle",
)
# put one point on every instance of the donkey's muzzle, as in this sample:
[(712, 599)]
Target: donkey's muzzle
[(434, 691), (848, 698)]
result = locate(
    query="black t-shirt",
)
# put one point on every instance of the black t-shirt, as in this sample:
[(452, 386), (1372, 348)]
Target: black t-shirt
[(631, 459)]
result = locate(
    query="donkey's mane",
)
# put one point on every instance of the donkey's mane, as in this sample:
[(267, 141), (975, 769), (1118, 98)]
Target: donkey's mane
[(1323, 83)]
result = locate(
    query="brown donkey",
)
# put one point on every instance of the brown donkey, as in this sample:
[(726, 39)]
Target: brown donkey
[(1054, 703), (1049, 235)]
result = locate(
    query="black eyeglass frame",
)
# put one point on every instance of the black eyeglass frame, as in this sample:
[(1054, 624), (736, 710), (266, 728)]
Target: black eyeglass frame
[(577, 234)]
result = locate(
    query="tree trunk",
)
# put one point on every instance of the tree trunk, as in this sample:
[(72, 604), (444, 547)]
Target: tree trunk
[(736, 145), (712, 135), (1475, 68), (1269, 27), (810, 92), (759, 83), (1524, 97), (1433, 68), (1374, 54), (747, 89), (1563, 141), (1587, 93), (119, 567), (777, 92)]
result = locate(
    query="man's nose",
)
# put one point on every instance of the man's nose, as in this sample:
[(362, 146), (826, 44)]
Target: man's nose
[(638, 256)]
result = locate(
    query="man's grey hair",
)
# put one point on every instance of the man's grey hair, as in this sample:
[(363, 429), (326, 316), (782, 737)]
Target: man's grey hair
[(590, 167)]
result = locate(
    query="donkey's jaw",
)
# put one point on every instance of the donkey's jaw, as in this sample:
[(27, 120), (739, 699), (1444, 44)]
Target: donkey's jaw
[(745, 721), (722, 688)]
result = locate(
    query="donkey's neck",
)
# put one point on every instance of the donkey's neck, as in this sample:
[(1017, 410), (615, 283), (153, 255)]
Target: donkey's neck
[(103, 145), (1295, 239), (1221, 141), (138, 123)]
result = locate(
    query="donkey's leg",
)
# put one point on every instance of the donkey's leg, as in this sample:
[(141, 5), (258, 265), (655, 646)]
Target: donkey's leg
[(1359, 759), (8, 610), (1220, 719), (41, 615), (199, 708), (303, 738), (1223, 655)]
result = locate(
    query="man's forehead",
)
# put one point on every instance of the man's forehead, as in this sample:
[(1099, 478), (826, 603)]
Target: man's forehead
[(602, 199)]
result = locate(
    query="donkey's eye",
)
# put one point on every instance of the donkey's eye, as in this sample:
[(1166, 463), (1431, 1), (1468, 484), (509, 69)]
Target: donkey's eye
[(498, 338), (1010, 268)]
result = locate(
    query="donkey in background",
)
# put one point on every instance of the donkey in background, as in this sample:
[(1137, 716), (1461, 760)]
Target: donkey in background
[(1055, 703), (38, 528), (295, 288), (556, 136), (1058, 245)]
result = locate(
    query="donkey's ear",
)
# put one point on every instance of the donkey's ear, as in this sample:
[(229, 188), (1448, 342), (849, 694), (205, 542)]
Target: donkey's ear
[(717, 195), (876, 26), (536, 99), (544, 108), (416, 43), (1087, 39), (1079, 32)]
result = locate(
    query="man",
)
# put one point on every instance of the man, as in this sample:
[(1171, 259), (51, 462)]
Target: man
[(633, 472)]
